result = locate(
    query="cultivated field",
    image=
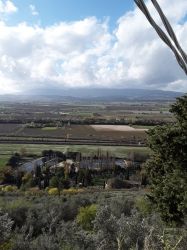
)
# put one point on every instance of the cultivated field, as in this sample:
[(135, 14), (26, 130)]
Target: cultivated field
[(122, 128), (80, 134), (118, 127)]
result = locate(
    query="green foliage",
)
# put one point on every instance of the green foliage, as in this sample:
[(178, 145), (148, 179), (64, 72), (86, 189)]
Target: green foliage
[(84, 177), (166, 168), (6, 245), (50, 223), (59, 182), (53, 191), (86, 216), (17, 210), (54, 182), (9, 188), (119, 232), (14, 160), (144, 206)]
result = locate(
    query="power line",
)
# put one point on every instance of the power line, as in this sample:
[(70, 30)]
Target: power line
[(178, 51)]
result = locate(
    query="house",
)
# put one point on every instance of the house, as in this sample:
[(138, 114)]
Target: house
[(31, 165), (40, 162)]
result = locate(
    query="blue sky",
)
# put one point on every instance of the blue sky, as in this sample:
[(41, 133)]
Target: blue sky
[(54, 11), (52, 44)]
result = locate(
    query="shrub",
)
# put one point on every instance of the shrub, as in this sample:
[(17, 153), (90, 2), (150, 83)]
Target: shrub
[(9, 188), (144, 206), (6, 245), (54, 182), (5, 227), (2, 187), (35, 191), (17, 211), (72, 191), (86, 216), (53, 191), (121, 205), (117, 183), (27, 177)]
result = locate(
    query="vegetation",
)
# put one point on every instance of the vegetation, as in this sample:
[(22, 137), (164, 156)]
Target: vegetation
[(59, 114), (86, 216), (101, 220), (6, 150), (68, 208), (167, 167)]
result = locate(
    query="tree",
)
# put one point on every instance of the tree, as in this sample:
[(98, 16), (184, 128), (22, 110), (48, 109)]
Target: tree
[(38, 175), (167, 167), (14, 160), (59, 182)]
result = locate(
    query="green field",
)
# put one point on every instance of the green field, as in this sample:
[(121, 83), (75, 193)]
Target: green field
[(143, 127), (3, 161), (49, 128)]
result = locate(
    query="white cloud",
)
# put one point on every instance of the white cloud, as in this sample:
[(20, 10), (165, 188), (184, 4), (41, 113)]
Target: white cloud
[(7, 7), (86, 53), (33, 10)]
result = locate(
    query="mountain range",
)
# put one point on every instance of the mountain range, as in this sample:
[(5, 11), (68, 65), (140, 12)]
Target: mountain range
[(94, 95)]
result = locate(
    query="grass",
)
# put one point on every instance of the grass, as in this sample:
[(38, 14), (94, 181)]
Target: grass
[(143, 127), (3, 161), (49, 128), (119, 151)]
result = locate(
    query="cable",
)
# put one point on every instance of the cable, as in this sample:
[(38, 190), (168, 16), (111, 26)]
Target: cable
[(181, 57)]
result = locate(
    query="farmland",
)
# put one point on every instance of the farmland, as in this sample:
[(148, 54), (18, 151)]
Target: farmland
[(118, 128), (81, 123), (74, 133), (121, 113)]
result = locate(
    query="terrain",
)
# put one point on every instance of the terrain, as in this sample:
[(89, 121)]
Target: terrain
[(97, 119), (57, 207)]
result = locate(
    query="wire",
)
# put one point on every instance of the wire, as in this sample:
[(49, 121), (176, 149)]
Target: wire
[(181, 57)]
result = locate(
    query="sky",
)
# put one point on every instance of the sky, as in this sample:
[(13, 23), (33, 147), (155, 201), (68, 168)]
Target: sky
[(50, 45)]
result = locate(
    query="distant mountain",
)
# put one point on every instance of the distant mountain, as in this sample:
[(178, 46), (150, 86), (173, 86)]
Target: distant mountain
[(95, 94)]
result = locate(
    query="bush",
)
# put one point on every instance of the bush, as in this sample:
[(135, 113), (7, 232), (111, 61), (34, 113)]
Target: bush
[(72, 191), (54, 182), (2, 187), (17, 210), (86, 216), (9, 188), (53, 191), (120, 205), (6, 245), (5, 227), (34, 191), (117, 183), (144, 206)]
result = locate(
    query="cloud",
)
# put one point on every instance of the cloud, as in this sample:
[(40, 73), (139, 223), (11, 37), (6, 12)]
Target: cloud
[(7, 7), (85, 53), (33, 10)]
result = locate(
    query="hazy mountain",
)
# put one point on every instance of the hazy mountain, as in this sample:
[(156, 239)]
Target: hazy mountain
[(95, 94)]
